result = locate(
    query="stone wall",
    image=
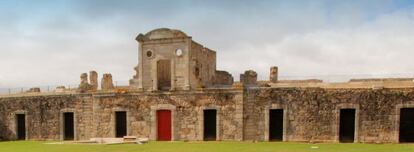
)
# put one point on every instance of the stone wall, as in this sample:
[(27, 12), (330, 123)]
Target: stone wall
[(223, 78), (43, 115), (94, 114), (202, 65), (249, 78), (164, 49), (312, 114)]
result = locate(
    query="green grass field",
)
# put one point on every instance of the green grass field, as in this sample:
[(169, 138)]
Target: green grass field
[(204, 147)]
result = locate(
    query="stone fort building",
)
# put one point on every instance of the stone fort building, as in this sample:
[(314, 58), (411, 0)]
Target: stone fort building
[(177, 94)]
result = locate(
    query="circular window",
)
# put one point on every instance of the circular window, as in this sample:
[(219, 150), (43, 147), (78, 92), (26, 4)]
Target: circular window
[(179, 52), (149, 54)]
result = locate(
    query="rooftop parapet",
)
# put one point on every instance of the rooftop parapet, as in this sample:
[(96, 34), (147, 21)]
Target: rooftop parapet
[(355, 83)]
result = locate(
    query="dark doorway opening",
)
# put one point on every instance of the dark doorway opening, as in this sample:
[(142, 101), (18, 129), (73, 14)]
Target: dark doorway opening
[(276, 125), (68, 126), (21, 126), (347, 126), (121, 124), (164, 125), (406, 125), (164, 74), (210, 125)]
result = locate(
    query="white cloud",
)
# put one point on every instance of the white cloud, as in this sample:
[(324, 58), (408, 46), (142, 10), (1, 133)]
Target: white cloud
[(303, 39), (379, 47)]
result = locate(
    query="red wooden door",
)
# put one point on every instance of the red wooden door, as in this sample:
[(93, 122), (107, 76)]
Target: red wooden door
[(164, 125)]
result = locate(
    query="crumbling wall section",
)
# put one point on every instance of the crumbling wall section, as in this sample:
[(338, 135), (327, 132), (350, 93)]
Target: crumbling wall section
[(249, 78), (223, 78), (203, 65)]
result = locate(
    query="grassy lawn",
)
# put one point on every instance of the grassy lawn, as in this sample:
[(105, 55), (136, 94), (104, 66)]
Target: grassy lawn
[(30, 146)]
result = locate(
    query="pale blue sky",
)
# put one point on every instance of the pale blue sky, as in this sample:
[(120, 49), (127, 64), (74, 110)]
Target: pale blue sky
[(52, 42)]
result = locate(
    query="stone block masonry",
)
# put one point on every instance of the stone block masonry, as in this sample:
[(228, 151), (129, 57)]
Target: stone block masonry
[(93, 78), (94, 114), (107, 82), (311, 114), (249, 77)]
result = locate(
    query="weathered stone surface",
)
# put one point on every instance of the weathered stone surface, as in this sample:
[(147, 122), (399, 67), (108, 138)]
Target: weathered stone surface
[(84, 78), (273, 74), (107, 82), (223, 78), (84, 84), (93, 78), (94, 114), (249, 77), (184, 63), (311, 113)]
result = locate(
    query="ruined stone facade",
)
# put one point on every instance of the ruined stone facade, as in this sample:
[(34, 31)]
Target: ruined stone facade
[(306, 110), (171, 60)]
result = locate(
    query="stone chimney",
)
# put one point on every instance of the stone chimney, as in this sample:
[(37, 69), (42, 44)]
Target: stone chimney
[(274, 70), (84, 78), (134, 81), (84, 85), (107, 83), (34, 90), (249, 77), (60, 89), (93, 80)]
